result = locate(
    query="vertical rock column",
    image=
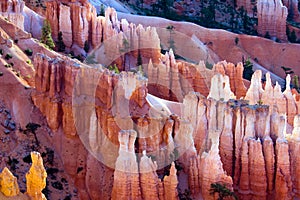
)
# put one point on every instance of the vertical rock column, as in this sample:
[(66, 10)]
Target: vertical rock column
[(8, 183), (36, 178), (65, 24), (294, 148), (126, 176)]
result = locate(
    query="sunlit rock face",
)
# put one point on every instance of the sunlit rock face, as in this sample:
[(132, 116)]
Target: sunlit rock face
[(12, 10), (35, 181), (272, 18), (240, 140)]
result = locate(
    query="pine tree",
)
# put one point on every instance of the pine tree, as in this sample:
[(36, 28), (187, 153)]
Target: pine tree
[(102, 10), (248, 71), (46, 35), (293, 36), (139, 59)]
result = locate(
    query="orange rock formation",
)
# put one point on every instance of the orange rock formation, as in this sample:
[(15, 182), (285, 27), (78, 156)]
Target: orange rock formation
[(35, 181)]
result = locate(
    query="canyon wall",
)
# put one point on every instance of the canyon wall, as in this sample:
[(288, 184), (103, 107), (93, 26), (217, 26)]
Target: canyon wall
[(254, 144), (99, 110), (171, 79), (12, 11), (292, 6)]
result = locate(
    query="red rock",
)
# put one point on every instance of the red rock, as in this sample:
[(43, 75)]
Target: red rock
[(268, 150), (257, 169), (283, 182)]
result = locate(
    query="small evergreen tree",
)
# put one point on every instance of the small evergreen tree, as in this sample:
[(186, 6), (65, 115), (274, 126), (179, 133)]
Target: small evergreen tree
[(236, 40), (60, 44), (267, 35), (139, 59), (102, 10), (287, 70), (296, 82), (46, 35), (248, 71), (293, 37)]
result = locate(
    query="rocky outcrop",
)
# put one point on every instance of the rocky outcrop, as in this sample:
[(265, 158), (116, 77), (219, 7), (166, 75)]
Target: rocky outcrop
[(73, 19), (35, 181), (8, 183), (12, 10), (65, 25), (250, 145), (36, 177), (133, 182), (126, 175), (294, 147), (272, 19), (172, 79), (61, 81), (292, 6)]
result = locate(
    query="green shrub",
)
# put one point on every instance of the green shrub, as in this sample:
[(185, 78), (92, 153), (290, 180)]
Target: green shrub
[(236, 40), (267, 35), (222, 191), (28, 52), (102, 11), (114, 68), (8, 56), (248, 71)]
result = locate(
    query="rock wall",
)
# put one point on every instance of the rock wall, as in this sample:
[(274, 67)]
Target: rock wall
[(122, 42), (140, 181), (12, 10), (73, 19), (58, 81), (171, 79), (235, 138), (248, 152), (272, 17), (292, 6)]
